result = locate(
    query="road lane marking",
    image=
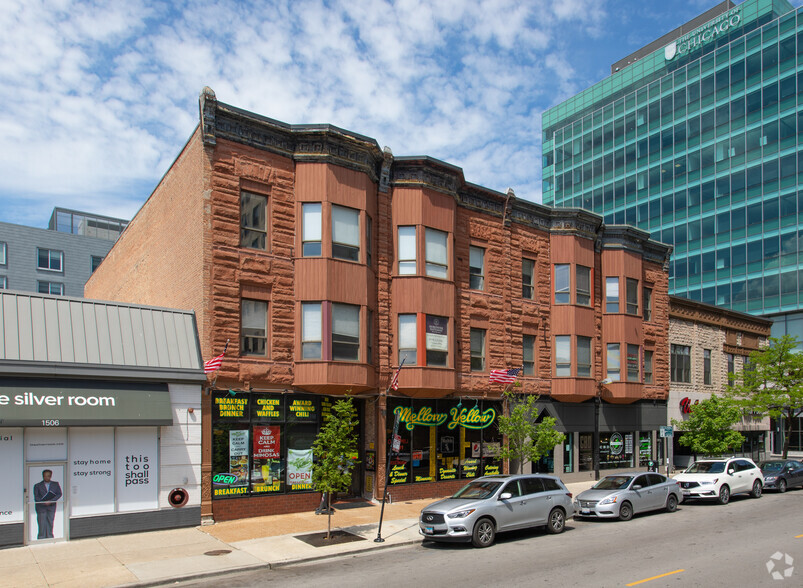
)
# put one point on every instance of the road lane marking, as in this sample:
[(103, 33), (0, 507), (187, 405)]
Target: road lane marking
[(654, 578), (798, 536)]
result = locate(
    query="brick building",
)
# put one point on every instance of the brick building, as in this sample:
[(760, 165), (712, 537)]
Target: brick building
[(706, 344), (326, 262)]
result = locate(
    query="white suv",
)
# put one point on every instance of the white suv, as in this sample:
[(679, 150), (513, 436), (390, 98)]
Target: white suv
[(718, 479)]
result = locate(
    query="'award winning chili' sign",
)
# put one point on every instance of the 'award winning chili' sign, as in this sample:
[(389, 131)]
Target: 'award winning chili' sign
[(470, 418)]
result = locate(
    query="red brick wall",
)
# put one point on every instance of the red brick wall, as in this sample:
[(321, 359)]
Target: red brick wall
[(259, 506)]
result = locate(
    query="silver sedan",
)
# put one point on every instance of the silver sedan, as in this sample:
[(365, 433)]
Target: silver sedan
[(623, 495)]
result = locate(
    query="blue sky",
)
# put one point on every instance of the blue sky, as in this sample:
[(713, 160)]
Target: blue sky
[(99, 97)]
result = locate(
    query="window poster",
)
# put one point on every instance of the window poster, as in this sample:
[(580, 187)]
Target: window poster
[(230, 406), (299, 469), (399, 473), (136, 463), (267, 408), (302, 410), (46, 500), (471, 467), (238, 455), (91, 470), (437, 338), (11, 489), (266, 469), (46, 444)]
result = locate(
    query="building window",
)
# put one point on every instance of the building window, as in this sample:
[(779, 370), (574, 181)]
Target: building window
[(477, 350), (254, 325), (647, 367), (48, 259), (311, 229), (3, 283), (50, 288), (528, 279), (731, 368), (707, 367), (437, 340), (3, 253), (614, 362), (407, 251), (369, 240), (369, 347), (583, 357), (680, 359), (345, 233), (647, 294), (563, 356), (633, 353), (253, 220), (582, 285), (476, 268), (562, 287), (345, 332), (612, 294), (631, 293), (311, 330), (437, 265), (95, 261), (407, 339), (528, 354)]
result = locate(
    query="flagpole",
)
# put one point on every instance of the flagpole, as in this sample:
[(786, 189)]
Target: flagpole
[(214, 380), (388, 456)]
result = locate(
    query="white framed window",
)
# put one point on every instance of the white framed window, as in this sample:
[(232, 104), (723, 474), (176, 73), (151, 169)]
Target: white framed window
[(614, 362), (253, 220), (3, 283), (612, 294), (527, 278), (254, 327), (582, 285), (3, 253), (54, 288), (345, 332), (476, 268), (633, 361), (311, 330), (562, 284), (436, 253), (345, 233), (583, 357), (407, 339), (49, 259), (680, 363), (407, 250), (311, 229), (477, 338), (631, 295), (563, 356), (528, 354)]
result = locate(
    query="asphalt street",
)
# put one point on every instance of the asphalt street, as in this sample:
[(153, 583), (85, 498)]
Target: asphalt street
[(702, 544)]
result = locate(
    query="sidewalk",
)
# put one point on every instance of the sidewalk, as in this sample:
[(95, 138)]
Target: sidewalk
[(161, 557)]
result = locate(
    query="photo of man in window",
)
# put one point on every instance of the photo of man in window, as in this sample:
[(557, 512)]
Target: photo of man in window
[(45, 495)]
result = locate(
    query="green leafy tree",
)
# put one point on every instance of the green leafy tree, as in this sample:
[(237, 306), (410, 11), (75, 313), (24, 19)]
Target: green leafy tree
[(772, 383), (527, 440), (708, 429), (333, 449)]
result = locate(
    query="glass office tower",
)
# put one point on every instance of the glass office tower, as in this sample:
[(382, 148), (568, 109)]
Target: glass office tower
[(697, 139)]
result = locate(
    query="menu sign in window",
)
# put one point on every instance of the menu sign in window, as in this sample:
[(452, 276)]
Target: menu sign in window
[(302, 409), (399, 474), (471, 467), (491, 470), (447, 473), (231, 407), (267, 408)]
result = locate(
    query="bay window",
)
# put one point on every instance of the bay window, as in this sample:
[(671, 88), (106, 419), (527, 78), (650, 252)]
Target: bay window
[(407, 251), (311, 330), (345, 233), (407, 339), (563, 356), (437, 264), (345, 332), (614, 363), (311, 229), (612, 294)]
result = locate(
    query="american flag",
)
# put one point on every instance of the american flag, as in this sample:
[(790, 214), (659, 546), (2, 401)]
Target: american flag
[(213, 364), (504, 376), (394, 382)]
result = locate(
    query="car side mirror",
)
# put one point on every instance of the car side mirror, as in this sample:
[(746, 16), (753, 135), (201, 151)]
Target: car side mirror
[(637, 487), (505, 496)]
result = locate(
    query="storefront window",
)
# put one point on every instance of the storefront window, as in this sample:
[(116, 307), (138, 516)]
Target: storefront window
[(644, 448), (586, 459), (568, 453), (615, 450)]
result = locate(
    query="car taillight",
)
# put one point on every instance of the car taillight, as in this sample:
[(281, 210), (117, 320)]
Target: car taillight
[(569, 494)]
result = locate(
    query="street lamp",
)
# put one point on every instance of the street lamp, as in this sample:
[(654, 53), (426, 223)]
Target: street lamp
[(597, 401)]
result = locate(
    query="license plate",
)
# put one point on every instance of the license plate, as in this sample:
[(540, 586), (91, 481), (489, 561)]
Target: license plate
[(685, 492), (585, 510), (429, 530)]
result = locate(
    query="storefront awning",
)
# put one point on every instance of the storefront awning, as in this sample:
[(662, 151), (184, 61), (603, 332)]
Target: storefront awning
[(68, 403)]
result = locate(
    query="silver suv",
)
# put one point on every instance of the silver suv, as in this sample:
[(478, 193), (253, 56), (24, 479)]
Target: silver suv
[(719, 478), (492, 504)]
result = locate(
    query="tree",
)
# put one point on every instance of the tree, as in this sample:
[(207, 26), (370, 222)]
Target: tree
[(333, 449), (527, 440), (708, 429), (771, 384)]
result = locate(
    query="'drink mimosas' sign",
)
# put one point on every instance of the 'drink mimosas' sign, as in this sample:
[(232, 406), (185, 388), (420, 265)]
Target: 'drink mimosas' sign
[(470, 418)]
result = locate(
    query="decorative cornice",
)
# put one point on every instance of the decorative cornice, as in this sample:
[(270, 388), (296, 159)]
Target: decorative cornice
[(426, 172), (699, 312)]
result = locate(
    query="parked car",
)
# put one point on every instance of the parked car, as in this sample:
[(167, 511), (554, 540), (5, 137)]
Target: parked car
[(623, 495), (719, 479), (780, 474), (493, 504)]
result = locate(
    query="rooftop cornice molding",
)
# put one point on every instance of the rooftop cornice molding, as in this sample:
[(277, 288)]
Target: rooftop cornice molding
[(683, 308)]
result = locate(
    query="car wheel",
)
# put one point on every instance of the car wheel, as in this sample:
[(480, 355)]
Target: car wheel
[(756, 491), (782, 485), (625, 512), (484, 533), (724, 494), (671, 503), (557, 521)]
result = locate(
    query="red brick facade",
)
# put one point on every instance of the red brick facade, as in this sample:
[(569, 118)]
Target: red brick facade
[(183, 250)]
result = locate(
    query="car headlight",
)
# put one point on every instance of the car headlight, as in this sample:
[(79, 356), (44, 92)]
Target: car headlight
[(609, 500), (770, 478), (709, 482), (461, 514)]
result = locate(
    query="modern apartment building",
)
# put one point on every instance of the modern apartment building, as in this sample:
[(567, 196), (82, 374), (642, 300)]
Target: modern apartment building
[(57, 260), (324, 263)]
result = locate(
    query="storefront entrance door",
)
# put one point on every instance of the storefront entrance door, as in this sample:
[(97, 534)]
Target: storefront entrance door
[(46, 498)]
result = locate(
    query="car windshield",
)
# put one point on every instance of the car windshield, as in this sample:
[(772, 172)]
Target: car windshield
[(613, 483), (478, 490), (771, 466), (706, 467)]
